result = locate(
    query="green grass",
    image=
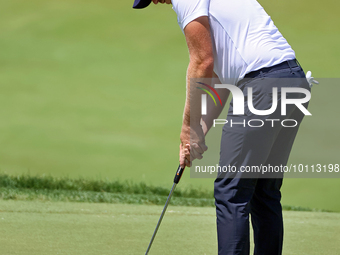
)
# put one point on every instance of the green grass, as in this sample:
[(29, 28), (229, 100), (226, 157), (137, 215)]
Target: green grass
[(94, 89), (48, 188), (34, 228), (127, 187), (311, 28)]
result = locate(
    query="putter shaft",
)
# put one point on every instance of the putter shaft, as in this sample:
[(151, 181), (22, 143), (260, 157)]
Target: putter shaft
[(177, 178), (161, 217)]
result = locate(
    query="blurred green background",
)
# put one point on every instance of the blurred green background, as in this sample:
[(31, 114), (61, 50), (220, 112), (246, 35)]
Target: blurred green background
[(96, 89)]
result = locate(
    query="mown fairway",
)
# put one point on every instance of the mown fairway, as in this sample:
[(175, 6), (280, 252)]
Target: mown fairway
[(96, 89), (34, 228)]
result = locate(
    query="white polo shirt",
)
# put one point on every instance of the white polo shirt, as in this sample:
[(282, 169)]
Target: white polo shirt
[(244, 37)]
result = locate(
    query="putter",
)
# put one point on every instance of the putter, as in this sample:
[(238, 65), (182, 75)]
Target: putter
[(178, 176)]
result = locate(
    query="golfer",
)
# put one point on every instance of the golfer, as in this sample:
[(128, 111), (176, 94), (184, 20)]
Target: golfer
[(237, 42)]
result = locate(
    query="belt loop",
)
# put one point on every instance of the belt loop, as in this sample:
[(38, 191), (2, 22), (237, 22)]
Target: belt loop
[(290, 65), (261, 74)]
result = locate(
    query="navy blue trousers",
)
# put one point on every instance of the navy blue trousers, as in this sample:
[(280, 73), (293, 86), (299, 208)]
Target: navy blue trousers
[(238, 195)]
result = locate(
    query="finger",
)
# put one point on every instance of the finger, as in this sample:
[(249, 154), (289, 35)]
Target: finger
[(182, 160), (195, 154), (187, 151), (181, 156), (187, 155), (191, 154), (200, 148), (182, 164)]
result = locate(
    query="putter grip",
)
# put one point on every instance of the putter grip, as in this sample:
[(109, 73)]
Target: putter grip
[(178, 175)]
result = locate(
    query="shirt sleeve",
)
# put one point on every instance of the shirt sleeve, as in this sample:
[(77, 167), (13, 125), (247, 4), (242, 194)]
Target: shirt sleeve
[(189, 10)]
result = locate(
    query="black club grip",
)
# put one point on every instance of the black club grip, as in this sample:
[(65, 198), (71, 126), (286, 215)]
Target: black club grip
[(178, 175)]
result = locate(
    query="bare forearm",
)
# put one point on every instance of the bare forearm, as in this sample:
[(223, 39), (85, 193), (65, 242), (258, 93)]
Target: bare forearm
[(192, 135), (199, 43), (192, 109)]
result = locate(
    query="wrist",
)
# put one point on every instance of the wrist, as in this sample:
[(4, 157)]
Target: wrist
[(185, 134)]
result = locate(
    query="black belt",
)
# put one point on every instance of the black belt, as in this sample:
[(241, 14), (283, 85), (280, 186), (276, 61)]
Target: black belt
[(286, 64)]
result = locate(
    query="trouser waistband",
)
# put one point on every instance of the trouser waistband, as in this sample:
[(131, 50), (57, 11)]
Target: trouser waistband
[(286, 64)]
